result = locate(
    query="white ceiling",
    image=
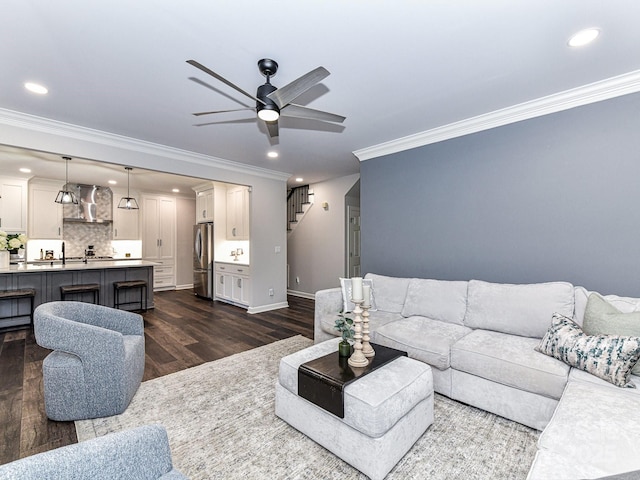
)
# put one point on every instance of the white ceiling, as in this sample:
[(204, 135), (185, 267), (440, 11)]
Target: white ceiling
[(398, 68)]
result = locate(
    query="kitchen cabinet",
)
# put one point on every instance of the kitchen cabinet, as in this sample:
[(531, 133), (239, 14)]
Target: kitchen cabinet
[(233, 283), (159, 238), (126, 223), (237, 213), (205, 205), (13, 205), (45, 216)]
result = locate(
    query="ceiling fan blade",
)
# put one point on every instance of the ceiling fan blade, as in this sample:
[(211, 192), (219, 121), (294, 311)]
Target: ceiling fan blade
[(272, 127), (222, 111), (298, 111), (222, 79), (291, 91)]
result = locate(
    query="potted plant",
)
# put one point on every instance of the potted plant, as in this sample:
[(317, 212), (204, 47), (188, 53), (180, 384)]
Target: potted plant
[(344, 325), (10, 243)]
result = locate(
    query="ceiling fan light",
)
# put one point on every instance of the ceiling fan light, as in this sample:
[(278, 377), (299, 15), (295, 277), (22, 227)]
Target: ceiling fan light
[(268, 114)]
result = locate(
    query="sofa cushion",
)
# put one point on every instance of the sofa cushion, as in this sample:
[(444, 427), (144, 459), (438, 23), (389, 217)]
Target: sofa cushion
[(390, 292), (376, 320), (422, 338), (518, 309), (624, 304), (437, 299), (597, 426), (610, 357), (600, 317), (510, 360), (577, 375)]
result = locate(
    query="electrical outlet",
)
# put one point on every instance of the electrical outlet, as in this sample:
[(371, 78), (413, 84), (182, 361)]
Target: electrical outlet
[(271, 292)]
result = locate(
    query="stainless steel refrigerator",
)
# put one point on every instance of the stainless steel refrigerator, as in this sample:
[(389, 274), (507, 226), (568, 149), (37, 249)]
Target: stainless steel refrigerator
[(203, 260)]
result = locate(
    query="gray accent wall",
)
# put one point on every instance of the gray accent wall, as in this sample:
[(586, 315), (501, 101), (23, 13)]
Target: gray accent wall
[(551, 198)]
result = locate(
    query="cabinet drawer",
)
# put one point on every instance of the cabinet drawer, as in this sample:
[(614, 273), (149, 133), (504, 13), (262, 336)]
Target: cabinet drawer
[(233, 269), (162, 281), (163, 270)]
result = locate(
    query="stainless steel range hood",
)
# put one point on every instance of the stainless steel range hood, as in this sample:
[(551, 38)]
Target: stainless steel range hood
[(95, 204)]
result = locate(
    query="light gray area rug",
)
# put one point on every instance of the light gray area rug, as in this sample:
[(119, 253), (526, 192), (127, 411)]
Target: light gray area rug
[(221, 425)]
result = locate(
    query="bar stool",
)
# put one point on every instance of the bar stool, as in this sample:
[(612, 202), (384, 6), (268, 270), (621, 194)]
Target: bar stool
[(81, 289), (20, 294), (128, 285)]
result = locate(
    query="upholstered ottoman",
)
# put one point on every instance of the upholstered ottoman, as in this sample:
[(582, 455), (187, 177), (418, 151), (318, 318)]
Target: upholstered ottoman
[(385, 411)]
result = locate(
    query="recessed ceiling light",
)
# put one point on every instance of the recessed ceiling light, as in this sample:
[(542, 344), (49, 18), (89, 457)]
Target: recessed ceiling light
[(175, 190), (36, 88), (583, 37), (299, 179), (272, 154), (112, 182), (25, 170)]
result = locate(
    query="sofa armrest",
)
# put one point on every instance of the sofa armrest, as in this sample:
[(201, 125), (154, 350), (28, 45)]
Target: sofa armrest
[(141, 452), (328, 307)]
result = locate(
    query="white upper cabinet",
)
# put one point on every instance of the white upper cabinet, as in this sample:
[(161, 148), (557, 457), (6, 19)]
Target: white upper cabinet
[(126, 223), (159, 228), (205, 205), (13, 205), (45, 216), (238, 213)]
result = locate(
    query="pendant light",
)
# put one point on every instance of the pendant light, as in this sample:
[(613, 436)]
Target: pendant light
[(66, 196), (128, 202)]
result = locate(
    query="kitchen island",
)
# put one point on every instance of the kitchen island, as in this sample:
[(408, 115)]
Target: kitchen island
[(46, 278)]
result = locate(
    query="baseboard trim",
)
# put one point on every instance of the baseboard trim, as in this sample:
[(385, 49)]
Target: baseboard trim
[(267, 308), (295, 293)]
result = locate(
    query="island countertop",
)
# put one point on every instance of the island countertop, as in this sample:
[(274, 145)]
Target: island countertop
[(47, 279), (56, 265)]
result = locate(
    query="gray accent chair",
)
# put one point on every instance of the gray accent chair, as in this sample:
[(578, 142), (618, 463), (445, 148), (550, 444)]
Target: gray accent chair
[(141, 453), (97, 361)]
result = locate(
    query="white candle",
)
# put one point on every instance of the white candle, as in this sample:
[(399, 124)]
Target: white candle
[(366, 291), (356, 289)]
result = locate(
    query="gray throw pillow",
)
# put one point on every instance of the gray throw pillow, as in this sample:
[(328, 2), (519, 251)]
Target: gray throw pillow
[(609, 357), (602, 318)]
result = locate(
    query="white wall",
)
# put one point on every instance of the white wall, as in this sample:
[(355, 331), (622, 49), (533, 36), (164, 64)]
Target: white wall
[(317, 246), (268, 195)]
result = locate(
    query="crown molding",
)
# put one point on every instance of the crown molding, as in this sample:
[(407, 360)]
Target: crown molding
[(584, 95), (67, 130)]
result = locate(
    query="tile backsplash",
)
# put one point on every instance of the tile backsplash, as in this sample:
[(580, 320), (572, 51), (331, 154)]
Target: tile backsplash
[(78, 237)]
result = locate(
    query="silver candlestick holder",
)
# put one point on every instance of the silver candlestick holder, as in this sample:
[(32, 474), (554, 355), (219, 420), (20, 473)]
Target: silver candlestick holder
[(367, 349), (357, 358)]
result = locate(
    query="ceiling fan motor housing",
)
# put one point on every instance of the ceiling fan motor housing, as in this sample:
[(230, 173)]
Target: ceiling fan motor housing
[(263, 91)]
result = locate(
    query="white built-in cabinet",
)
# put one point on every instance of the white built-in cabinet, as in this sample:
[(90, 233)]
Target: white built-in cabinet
[(126, 223), (205, 205), (45, 216), (13, 205), (233, 283), (237, 212), (159, 238)]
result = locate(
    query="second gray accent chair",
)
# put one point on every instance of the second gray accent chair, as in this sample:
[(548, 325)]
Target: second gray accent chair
[(140, 453), (97, 361)]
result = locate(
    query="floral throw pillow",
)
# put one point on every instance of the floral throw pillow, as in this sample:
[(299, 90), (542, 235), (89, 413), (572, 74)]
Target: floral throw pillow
[(609, 357)]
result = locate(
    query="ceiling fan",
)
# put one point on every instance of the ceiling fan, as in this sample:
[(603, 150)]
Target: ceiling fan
[(271, 102)]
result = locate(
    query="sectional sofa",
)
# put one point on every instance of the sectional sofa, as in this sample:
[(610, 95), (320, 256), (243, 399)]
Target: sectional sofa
[(482, 340)]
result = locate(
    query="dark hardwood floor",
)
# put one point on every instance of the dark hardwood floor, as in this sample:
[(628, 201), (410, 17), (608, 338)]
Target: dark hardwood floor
[(181, 332)]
